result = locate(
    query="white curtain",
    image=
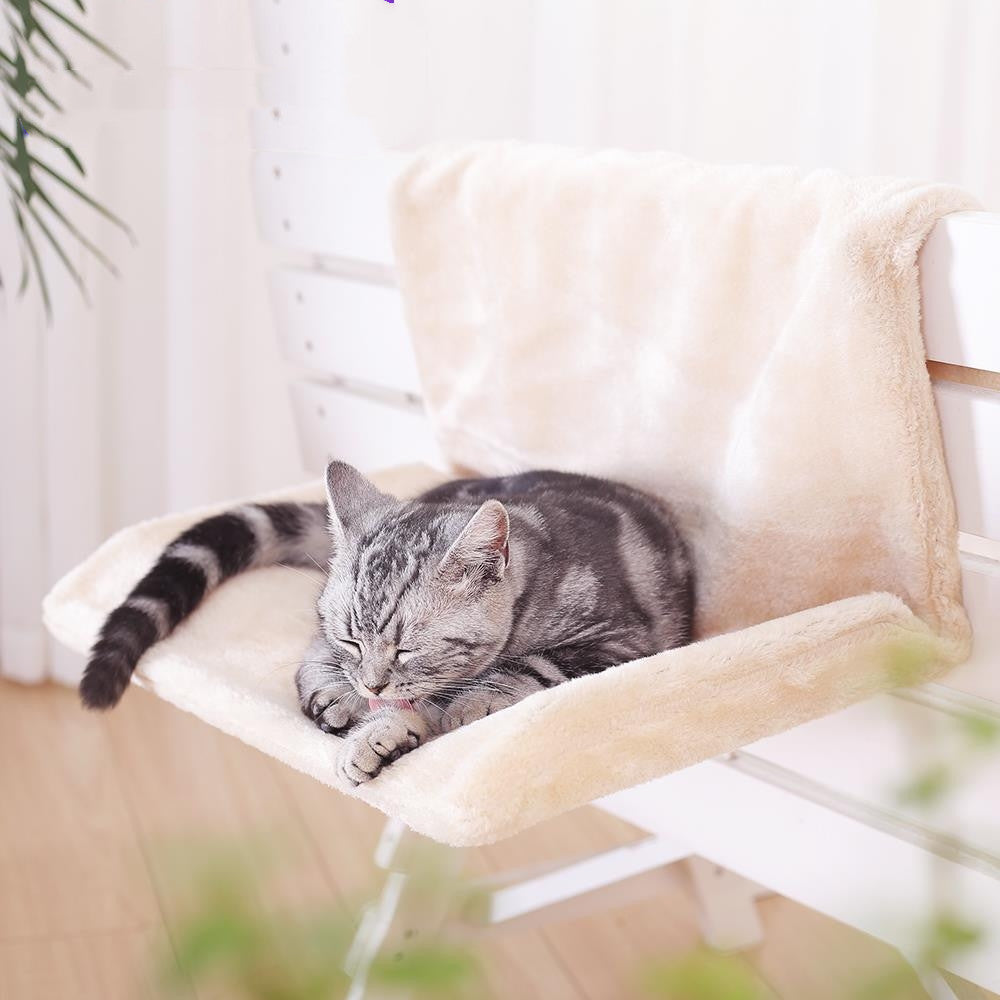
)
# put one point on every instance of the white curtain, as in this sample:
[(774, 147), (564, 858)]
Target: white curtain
[(906, 87), (169, 390)]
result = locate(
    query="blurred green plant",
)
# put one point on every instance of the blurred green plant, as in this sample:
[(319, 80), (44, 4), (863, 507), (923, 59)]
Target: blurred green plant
[(943, 760), (931, 783), (953, 759), (704, 975), (255, 953), (33, 50), (229, 939), (952, 753)]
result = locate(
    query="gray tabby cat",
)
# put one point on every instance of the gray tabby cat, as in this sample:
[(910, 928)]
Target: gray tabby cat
[(436, 611)]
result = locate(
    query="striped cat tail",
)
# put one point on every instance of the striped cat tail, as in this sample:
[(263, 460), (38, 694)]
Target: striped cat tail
[(190, 568)]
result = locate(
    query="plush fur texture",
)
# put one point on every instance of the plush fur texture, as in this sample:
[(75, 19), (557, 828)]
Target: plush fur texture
[(743, 341)]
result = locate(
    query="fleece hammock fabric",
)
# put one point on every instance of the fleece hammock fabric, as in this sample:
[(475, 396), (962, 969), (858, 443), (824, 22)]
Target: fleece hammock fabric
[(745, 342)]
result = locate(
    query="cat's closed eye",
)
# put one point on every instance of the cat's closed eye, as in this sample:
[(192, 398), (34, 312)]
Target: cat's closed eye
[(350, 644), (402, 655)]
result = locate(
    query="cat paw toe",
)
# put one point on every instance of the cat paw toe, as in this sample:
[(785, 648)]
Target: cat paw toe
[(335, 719), (470, 708), (377, 744)]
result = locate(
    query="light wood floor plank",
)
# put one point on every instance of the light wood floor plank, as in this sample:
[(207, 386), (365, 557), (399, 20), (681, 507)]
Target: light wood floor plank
[(515, 964), (847, 959), (115, 965), (189, 784), (91, 805), (69, 856), (525, 965), (343, 833), (192, 790)]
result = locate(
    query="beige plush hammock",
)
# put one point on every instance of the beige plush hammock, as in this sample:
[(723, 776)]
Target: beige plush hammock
[(745, 341)]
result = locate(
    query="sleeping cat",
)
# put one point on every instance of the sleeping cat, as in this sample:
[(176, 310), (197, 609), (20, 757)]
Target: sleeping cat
[(436, 611)]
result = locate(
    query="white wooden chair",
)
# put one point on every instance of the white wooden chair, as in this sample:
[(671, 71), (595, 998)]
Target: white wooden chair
[(811, 813)]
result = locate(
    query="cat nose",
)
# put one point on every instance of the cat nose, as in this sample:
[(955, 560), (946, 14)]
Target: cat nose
[(377, 689)]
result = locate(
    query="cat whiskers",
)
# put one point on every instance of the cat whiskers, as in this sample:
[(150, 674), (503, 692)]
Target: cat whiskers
[(322, 569), (479, 684), (302, 572)]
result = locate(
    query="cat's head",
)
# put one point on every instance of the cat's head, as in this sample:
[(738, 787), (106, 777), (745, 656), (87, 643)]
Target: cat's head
[(419, 599)]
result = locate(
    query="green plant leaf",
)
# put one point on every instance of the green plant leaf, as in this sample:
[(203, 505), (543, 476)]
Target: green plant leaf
[(895, 983), (704, 975), (928, 787), (96, 42), (62, 255), (906, 661), (30, 45), (947, 936), (433, 969), (980, 731), (84, 197), (31, 26), (65, 147), (96, 253), (29, 243)]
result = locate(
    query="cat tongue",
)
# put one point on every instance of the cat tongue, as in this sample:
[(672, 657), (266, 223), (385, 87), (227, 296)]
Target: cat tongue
[(374, 703)]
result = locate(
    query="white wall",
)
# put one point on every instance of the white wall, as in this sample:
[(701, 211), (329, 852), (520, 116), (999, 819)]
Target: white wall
[(877, 86)]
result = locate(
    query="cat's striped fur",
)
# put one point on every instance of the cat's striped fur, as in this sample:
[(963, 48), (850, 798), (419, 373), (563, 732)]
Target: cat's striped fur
[(436, 611), (189, 569)]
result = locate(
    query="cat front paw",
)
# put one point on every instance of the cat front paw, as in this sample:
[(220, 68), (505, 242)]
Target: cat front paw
[(375, 744), (341, 714), (334, 708), (328, 698), (472, 706)]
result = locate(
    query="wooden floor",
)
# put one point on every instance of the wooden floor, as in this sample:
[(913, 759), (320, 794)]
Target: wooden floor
[(88, 805)]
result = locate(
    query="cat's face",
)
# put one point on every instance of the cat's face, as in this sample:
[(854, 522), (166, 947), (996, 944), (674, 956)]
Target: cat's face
[(417, 602)]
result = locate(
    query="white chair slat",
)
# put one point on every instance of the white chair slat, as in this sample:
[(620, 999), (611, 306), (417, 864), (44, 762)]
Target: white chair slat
[(329, 205), (348, 328), (282, 127), (868, 872), (368, 433), (970, 425), (871, 751), (960, 290), (294, 33)]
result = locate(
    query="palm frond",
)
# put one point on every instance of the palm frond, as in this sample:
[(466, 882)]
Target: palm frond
[(32, 48), (74, 26), (60, 252), (28, 242)]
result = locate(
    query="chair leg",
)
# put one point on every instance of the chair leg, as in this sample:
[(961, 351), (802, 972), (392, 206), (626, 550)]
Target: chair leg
[(376, 923), (403, 913), (727, 906), (942, 986), (961, 989), (579, 877)]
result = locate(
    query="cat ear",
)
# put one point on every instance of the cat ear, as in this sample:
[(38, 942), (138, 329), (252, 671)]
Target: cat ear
[(482, 550), (349, 495)]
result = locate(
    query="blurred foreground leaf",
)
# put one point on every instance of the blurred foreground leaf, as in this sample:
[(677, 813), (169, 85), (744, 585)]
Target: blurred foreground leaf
[(980, 731), (705, 975), (228, 936), (928, 787), (436, 970), (948, 935)]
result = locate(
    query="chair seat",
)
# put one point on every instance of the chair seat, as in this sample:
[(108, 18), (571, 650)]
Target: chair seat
[(233, 661)]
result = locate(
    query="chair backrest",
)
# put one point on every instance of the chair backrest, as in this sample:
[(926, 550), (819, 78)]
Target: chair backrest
[(321, 180)]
